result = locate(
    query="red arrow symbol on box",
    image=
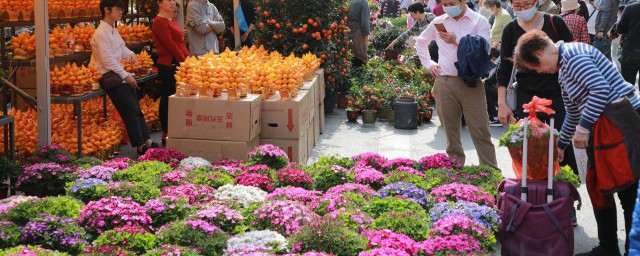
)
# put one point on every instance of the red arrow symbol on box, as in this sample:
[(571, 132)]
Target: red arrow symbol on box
[(290, 124), (290, 152)]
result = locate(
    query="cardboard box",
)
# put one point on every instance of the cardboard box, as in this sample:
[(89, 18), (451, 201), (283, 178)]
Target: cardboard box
[(26, 77), (215, 119), (316, 128), (322, 117), (313, 89), (311, 139), (295, 149), (213, 150), (286, 119), (22, 104), (321, 84)]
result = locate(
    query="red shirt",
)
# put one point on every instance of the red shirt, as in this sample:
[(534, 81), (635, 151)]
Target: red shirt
[(438, 10), (167, 37)]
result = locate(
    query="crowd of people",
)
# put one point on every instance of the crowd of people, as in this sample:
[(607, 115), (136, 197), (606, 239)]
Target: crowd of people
[(583, 55)]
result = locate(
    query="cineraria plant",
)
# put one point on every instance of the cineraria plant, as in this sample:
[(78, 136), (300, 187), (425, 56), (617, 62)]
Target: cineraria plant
[(56, 233), (172, 250), (167, 209), (286, 217), (270, 155), (368, 176), (61, 206), (173, 178), (388, 239), (194, 162), (148, 172), (371, 159), (334, 202), (9, 234), (197, 194), (106, 250), (406, 190), (243, 195), (233, 167), (45, 179), (378, 207), (259, 169), (415, 179), (168, 156), (206, 176), (8, 203), (85, 189), (451, 245), (251, 251), (438, 161), (138, 191), (297, 194), (220, 216), (411, 223), (459, 224), (483, 176), (261, 239), (98, 172), (352, 187), (329, 176), (384, 251), (29, 250), (208, 238), (137, 241), (486, 216), (291, 176), (353, 217), (395, 163), (455, 192), (52, 153), (113, 212), (118, 163), (255, 180), (330, 236)]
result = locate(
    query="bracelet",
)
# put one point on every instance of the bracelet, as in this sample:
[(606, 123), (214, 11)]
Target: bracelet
[(583, 131)]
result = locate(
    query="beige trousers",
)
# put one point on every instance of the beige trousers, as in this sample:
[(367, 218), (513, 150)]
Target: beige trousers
[(453, 99)]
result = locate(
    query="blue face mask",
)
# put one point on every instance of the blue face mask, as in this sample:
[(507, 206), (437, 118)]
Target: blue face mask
[(453, 11), (527, 14)]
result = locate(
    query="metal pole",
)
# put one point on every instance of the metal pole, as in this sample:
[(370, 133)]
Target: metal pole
[(552, 150), (525, 158), (42, 71), (236, 27)]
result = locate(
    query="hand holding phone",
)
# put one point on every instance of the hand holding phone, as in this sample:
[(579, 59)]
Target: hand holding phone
[(440, 27)]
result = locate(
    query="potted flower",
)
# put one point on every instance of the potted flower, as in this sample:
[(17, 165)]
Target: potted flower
[(45, 179), (370, 104)]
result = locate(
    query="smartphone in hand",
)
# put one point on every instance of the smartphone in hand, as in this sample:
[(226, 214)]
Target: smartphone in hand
[(440, 27)]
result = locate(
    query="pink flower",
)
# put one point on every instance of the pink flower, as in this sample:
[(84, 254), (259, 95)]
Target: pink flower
[(384, 251), (300, 195), (462, 192), (451, 245), (118, 163), (294, 177), (388, 239), (109, 213), (255, 180), (439, 161), (371, 159), (169, 156), (174, 177), (197, 194), (457, 224), (369, 176), (286, 217)]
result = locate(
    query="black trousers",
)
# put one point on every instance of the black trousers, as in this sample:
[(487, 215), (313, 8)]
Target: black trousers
[(607, 219), (491, 91), (125, 99), (167, 88), (630, 66)]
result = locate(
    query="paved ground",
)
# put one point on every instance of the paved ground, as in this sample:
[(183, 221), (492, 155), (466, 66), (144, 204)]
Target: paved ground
[(347, 139)]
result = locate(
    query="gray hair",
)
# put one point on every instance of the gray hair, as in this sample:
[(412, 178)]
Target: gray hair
[(492, 3)]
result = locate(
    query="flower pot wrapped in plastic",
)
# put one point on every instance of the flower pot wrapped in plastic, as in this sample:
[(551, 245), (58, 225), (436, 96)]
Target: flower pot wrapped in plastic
[(538, 136)]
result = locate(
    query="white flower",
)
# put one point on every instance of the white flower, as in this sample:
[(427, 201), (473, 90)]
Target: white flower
[(243, 195), (258, 238), (194, 162)]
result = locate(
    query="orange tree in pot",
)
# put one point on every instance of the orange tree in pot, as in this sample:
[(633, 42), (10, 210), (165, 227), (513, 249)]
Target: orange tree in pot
[(301, 26)]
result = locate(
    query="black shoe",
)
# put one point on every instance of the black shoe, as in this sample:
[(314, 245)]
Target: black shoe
[(494, 123), (600, 251), (141, 151), (154, 145), (574, 218)]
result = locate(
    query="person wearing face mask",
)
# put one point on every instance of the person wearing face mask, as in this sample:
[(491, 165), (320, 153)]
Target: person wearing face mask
[(548, 6), (455, 98), (502, 18), (422, 20), (603, 116), (531, 83)]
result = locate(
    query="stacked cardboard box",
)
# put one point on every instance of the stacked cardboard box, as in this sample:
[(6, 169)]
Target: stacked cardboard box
[(215, 128)]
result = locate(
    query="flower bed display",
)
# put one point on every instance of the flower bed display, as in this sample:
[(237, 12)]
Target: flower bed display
[(337, 206)]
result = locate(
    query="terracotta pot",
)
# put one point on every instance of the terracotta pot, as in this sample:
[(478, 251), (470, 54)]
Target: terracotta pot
[(352, 115), (369, 117), (343, 100)]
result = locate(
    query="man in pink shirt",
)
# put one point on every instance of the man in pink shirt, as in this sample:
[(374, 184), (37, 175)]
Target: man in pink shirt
[(453, 97)]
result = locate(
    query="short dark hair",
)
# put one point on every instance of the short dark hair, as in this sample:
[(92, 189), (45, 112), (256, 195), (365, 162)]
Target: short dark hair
[(493, 3), (111, 4), (416, 7), (494, 52), (529, 45)]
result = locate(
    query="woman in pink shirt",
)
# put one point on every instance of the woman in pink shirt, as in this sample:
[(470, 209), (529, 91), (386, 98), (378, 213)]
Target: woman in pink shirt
[(168, 38)]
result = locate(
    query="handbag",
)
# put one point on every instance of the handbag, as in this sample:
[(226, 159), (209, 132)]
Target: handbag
[(110, 81), (512, 91)]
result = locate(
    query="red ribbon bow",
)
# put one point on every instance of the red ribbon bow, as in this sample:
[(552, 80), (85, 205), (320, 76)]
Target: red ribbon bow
[(538, 105)]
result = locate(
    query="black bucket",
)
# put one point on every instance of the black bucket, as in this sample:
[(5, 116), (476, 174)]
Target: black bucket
[(406, 113)]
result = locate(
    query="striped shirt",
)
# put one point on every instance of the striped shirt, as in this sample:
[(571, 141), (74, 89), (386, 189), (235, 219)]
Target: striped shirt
[(589, 82)]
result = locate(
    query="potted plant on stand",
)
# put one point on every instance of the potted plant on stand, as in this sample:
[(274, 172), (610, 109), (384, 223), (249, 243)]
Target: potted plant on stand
[(369, 103), (353, 111)]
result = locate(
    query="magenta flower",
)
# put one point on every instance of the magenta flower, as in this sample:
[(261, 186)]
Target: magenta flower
[(353, 188), (113, 212), (368, 176), (410, 170), (174, 178), (451, 245), (197, 194), (294, 177), (371, 159), (170, 156), (118, 163), (399, 162), (300, 195), (259, 169), (255, 180), (388, 239), (458, 224), (439, 161), (286, 217), (384, 251), (37, 172), (455, 192)]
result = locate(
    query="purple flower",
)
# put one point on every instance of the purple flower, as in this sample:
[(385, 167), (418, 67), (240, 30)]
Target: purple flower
[(63, 234), (98, 172), (407, 190), (197, 194), (37, 172), (439, 161), (462, 192), (482, 214)]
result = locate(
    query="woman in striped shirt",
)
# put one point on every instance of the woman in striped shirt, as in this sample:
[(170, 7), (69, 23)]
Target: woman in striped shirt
[(601, 107)]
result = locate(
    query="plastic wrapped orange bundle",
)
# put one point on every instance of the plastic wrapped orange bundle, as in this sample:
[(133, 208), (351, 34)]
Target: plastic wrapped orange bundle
[(538, 136)]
